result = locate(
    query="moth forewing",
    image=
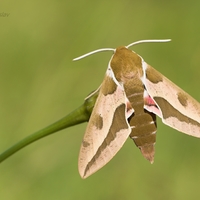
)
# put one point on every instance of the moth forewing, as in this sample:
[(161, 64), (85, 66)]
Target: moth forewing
[(179, 110), (107, 129)]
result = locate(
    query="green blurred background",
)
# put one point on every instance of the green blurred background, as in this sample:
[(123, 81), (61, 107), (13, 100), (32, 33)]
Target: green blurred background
[(40, 84)]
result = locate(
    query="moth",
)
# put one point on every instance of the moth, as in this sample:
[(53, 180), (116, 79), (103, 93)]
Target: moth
[(130, 97)]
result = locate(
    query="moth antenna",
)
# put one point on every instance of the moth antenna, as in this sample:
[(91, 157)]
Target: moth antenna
[(147, 41), (93, 52), (111, 49)]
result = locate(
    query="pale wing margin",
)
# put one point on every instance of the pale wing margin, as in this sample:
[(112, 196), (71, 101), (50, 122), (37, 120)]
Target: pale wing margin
[(107, 129), (178, 109)]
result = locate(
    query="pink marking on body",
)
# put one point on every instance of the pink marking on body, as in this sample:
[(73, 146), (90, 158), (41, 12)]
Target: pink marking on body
[(150, 105), (149, 101)]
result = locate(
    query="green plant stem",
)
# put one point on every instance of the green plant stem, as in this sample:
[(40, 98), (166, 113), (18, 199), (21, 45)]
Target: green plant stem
[(76, 117), (80, 115)]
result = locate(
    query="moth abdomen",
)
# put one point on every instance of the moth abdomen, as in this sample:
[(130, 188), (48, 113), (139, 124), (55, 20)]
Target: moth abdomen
[(144, 133)]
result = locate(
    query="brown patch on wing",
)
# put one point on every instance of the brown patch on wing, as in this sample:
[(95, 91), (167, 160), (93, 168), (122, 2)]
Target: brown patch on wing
[(98, 121), (169, 111), (153, 75), (112, 86), (182, 99), (85, 144)]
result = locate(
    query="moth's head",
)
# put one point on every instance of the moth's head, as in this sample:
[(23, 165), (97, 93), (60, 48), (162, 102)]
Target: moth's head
[(124, 58)]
